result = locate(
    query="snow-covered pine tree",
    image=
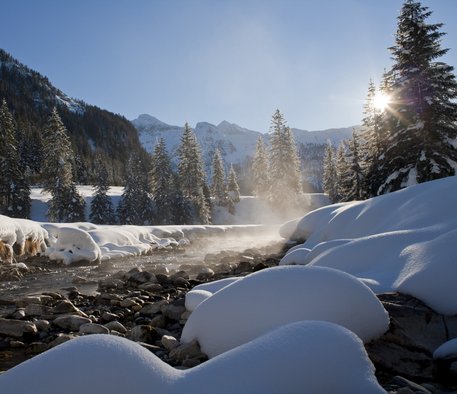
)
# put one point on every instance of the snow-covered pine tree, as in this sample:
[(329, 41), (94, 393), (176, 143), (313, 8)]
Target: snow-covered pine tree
[(260, 170), (66, 204), (330, 177), (135, 205), (233, 190), (285, 171), (343, 172), (423, 110), (162, 185), (218, 183), (101, 207), (356, 176), (191, 175), (14, 189)]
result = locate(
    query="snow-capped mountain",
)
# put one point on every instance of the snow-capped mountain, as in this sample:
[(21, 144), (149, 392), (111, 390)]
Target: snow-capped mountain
[(237, 144)]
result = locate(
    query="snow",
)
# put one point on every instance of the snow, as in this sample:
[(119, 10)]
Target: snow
[(403, 241), (281, 295), (447, 349), (313, 357)]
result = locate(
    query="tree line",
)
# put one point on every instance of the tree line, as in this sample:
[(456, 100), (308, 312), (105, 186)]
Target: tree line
[(409, 132)]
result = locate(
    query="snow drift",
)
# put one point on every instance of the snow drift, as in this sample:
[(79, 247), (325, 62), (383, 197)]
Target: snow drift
[(274, 297), (403, 241), (311, 357)]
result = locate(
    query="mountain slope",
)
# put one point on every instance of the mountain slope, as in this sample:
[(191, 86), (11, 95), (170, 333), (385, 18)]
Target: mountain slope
[(31, 98)]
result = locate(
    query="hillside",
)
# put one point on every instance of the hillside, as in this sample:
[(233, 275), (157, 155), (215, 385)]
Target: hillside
[(31, 98), (237, 144)]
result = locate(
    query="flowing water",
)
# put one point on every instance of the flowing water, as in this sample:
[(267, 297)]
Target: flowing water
[(56, 277)]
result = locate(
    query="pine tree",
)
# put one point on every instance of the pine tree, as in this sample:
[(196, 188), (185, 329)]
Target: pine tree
[(101, 207), (260, 171), (66, 204), (191, 175), (423, 111), (182, 209), (343, 175), (135, 204), (233, 189), (162, 184), (14, 189), (285, 172), (330, 175), (218, 184), (356, 176)]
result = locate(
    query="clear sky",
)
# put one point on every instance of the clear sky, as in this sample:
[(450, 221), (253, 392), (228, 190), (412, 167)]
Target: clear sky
[(214, 60)]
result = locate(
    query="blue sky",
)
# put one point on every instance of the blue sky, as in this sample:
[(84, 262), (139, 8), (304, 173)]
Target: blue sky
[(214, 60)]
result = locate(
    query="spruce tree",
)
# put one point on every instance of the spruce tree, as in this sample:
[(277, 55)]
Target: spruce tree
[(135, 205), (14, 189), (162, 185), (66, 204), (191, 175), (285, 172), (423, 111), (233, 189), (330, 175), (218, 184), (101, 207), (356, 176), (260, 170), (343, 173)]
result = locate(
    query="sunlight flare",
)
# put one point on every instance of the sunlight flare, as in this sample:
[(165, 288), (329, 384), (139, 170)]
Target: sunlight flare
[(381, 101)]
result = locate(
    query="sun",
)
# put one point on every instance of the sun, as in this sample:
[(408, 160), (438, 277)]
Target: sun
[(381, 101)]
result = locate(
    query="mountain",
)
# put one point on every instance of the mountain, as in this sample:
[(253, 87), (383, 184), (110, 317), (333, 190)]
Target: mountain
[(237, 144), (31, 98)]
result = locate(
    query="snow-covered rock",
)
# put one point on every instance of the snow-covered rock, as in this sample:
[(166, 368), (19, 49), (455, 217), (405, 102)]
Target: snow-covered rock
[(403, 241), (304, 357), (281, 295)]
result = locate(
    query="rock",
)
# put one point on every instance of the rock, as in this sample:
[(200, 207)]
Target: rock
[(36, 348), (42, 325), (93, 328), (205, 274), (162, 278), (158, 321), (143, 333), (408, 384), (173, 312), (18, 314), (185, 351), (191, 362), (128, 303), (415, 332), (151, 309), (181, 282), (67, 307), (243, 267), (108, 316), (17, 344), (61, 338), (39, 299), (138, 276), (38, 310), (16, 328), (116, 326), (151, 287), (169, 342), (71, 322), (179, 274)]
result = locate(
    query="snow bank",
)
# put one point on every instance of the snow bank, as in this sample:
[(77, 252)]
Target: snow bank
[(313, 357), (281, 295), (403, 241), (447, 349)]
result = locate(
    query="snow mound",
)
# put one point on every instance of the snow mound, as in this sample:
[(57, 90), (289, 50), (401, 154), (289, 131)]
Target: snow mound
[(403, 241), (312, 357), (281, 295), (447, 349), (201, 292), (71, 244)]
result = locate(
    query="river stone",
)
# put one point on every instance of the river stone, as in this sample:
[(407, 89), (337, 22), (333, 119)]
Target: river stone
[(143, 333), (185, 351), (67, 307), (140, 277), (128, 303), (38, 299), (205, 273), (116, 326), (158, 321), (169, 342), (181, 282), (36, 348), (38, 310), (173, 312), (71, 322), (61, 338), (42, 325), (18, 314), (108, 316), (151, 309), (179, 274), (93, 328), (151, 287), (16, 328)]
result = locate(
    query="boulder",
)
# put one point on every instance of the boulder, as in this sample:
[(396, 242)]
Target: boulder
[(16, 328)]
